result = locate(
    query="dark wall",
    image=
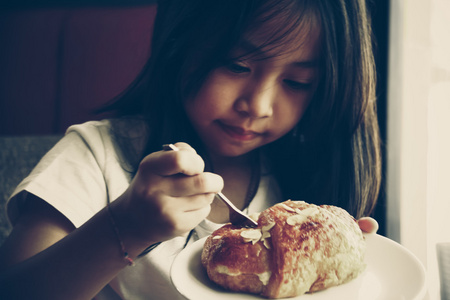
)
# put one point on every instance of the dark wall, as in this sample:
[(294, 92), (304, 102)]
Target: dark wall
[(58, 64), (32, 4)]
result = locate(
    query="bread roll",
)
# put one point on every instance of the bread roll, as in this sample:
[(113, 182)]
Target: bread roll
[(297, 248)]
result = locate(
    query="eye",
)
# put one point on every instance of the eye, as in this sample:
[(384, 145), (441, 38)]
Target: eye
[(298, 86), (237, 68)]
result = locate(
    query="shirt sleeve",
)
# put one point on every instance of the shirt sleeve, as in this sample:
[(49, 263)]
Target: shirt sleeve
[(77, 176)]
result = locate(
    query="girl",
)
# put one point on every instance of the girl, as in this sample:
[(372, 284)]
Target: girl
[(266, 100)]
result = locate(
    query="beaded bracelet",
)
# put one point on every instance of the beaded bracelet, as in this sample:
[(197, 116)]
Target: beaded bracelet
[(129, 260)]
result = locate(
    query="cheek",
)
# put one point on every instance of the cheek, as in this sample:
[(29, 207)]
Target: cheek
[(214, 98), (205, 106)]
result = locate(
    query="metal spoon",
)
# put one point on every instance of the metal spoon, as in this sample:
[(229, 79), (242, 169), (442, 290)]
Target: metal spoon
[(237, 217)]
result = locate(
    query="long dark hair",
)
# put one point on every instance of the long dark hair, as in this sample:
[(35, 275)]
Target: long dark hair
[(340, 158), (333, 155)]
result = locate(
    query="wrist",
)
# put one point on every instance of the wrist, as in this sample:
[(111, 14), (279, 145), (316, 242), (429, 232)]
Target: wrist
[(127, 231), (123, 250)]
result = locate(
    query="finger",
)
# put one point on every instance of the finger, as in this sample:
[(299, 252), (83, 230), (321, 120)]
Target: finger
[(186, 186), (183, 146), (198, 215), (194, 203), (166, 163), (192, 218), (186, 161), (368, 225), (179, 217)]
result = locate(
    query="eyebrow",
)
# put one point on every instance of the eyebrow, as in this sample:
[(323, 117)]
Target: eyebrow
[(249, 47)]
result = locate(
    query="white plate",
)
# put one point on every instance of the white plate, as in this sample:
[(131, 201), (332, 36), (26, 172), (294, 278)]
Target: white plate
[(392, 272)]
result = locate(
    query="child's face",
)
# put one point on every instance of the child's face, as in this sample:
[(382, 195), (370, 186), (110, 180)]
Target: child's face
[(252, 102)]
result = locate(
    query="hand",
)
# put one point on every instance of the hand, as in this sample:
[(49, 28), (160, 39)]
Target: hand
[(169, 195), (368, 225)]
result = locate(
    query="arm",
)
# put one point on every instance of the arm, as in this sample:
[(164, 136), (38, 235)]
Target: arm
[(45, 254), (53, 260)]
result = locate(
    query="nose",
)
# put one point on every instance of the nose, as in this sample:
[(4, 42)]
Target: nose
[(256, 101)]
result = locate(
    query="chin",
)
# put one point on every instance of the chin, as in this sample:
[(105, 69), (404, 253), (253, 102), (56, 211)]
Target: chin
[(228, 150), (232, 152), (235, 150)]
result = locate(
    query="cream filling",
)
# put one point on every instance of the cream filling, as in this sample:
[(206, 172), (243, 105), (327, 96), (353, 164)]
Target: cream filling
[(263, 277)]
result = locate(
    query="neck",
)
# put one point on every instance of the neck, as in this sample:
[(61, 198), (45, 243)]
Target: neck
[(218, 163)]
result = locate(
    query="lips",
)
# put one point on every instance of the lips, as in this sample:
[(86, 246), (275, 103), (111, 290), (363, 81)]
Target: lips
[(239, 133)]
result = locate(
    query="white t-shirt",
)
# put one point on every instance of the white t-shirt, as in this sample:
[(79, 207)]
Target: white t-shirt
[(83, 171)]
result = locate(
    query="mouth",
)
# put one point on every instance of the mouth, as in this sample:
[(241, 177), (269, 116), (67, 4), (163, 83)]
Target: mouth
[(239, 133)]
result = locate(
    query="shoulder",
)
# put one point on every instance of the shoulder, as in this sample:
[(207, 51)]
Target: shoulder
[(110, 134), (131, 127), (91, 130)]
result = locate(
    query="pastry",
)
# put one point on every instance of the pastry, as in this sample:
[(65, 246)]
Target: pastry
[(297, 248)]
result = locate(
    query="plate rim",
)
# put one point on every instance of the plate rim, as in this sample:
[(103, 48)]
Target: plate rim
[(420, 295)]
